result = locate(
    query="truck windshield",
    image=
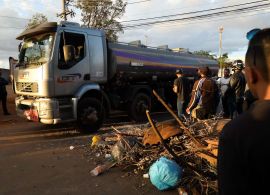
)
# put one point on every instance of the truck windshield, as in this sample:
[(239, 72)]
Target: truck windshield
[(36, 51)]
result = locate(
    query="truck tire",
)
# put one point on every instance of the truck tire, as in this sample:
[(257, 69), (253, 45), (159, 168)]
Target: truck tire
[(141, 102), (90, 114)]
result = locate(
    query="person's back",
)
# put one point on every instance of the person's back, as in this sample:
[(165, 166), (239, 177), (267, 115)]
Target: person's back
[(243, 162), (204, 97), (209, 95), (183, 90), (236, 89), (246, 154), (238, 84)]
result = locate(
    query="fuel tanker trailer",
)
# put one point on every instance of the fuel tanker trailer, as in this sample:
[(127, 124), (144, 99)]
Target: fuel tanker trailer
[(67, 72)]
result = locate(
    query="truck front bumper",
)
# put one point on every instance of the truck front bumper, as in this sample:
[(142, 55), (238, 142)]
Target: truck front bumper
[(44, 110)]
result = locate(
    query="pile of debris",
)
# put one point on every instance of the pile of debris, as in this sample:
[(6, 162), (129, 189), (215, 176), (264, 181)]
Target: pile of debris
[(191, 144)]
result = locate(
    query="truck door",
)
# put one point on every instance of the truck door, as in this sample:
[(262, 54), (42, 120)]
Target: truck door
[(69, 76), (98, 58)]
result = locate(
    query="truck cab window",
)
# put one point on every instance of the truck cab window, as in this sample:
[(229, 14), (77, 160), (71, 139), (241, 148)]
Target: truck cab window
[(76, 44), (36, 51)]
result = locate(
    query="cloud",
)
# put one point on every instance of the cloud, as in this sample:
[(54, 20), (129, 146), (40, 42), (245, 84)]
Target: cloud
[(195, 35), (18, 12), (199, 35)]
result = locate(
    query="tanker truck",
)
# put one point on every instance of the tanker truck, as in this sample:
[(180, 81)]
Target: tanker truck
[(68, 73)]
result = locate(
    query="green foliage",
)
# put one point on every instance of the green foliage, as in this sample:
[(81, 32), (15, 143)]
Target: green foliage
[(103, 14), (68, 11), (36, 19), (205, 53), (224, 60)]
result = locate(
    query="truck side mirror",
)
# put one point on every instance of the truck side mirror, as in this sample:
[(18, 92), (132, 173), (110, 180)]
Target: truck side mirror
[(69, 53)]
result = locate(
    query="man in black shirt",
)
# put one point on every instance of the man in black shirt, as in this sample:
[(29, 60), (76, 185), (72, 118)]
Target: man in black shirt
[(244, 147), (3, 94), (236, 89), (181, 88)]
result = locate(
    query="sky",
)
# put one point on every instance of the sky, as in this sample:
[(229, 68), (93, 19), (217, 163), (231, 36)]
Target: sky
[(192, 35)]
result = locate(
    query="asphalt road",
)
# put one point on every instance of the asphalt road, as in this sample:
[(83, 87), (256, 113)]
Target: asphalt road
[(36, 159)]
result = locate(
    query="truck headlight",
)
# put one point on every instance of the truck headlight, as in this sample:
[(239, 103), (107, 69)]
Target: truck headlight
[(48, 109), (45, 105)]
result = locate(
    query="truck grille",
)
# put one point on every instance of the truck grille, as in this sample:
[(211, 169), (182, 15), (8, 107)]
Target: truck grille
[(27, 87)]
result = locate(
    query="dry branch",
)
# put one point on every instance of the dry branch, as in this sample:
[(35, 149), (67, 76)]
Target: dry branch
[(186, 130), (160, 137)]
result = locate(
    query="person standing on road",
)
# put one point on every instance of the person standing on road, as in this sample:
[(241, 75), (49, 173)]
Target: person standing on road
[(3, 94), (235, 92), (181, 88), (223, 84), (205, 95), (243, 161)]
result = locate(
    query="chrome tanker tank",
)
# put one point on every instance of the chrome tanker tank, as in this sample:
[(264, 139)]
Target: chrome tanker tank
[(139, 63)]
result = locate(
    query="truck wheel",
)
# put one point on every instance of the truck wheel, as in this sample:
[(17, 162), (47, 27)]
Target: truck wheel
[(138, 106), (90, 114)]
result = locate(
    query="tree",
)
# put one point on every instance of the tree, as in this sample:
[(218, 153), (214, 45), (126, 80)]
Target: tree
[(103, 14), (67, 11), (205, 53), (36, 19), (223, 60)]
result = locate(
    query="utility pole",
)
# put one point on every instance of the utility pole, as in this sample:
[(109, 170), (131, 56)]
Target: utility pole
[(146, 39), (221, 29), (64, 10)]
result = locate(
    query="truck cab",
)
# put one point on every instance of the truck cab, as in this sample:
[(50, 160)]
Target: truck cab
[(59, 66)]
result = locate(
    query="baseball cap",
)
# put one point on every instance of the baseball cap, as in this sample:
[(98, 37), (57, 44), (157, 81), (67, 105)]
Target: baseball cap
[(252, 33), (238, 64), (179, 71)]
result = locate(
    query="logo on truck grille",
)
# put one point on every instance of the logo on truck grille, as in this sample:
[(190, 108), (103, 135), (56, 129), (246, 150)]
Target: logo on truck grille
[(69, 78), (27, 87)]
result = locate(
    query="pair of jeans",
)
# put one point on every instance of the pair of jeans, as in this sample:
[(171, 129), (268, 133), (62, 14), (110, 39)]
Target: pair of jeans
[(236, 107), (239, 105), (180, 107), (225, 105)]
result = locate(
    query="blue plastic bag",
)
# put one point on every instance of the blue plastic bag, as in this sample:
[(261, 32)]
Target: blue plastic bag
[(165, 174)]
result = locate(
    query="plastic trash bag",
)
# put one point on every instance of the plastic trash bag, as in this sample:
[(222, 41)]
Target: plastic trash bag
[(165, 174), (122, 147)]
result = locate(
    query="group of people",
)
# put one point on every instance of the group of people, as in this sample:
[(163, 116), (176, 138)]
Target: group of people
[(207, 93), (244, 142)]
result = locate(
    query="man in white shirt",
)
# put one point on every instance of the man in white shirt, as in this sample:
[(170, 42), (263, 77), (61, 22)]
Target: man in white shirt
[(223, 84)]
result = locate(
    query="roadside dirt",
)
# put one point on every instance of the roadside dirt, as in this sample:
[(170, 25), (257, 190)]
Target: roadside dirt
[(36, 159)]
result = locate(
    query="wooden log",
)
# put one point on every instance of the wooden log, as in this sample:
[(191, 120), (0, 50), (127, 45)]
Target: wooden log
[(160, 137), (167, 129), (186, 130)]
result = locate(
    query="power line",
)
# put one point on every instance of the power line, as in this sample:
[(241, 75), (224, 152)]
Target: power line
[(109, 2), (215, 14), (194, 12), (162, 10), (14, 17), (213, 20), (187, 19), (191, 20), (12, 27), (136, 2)]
